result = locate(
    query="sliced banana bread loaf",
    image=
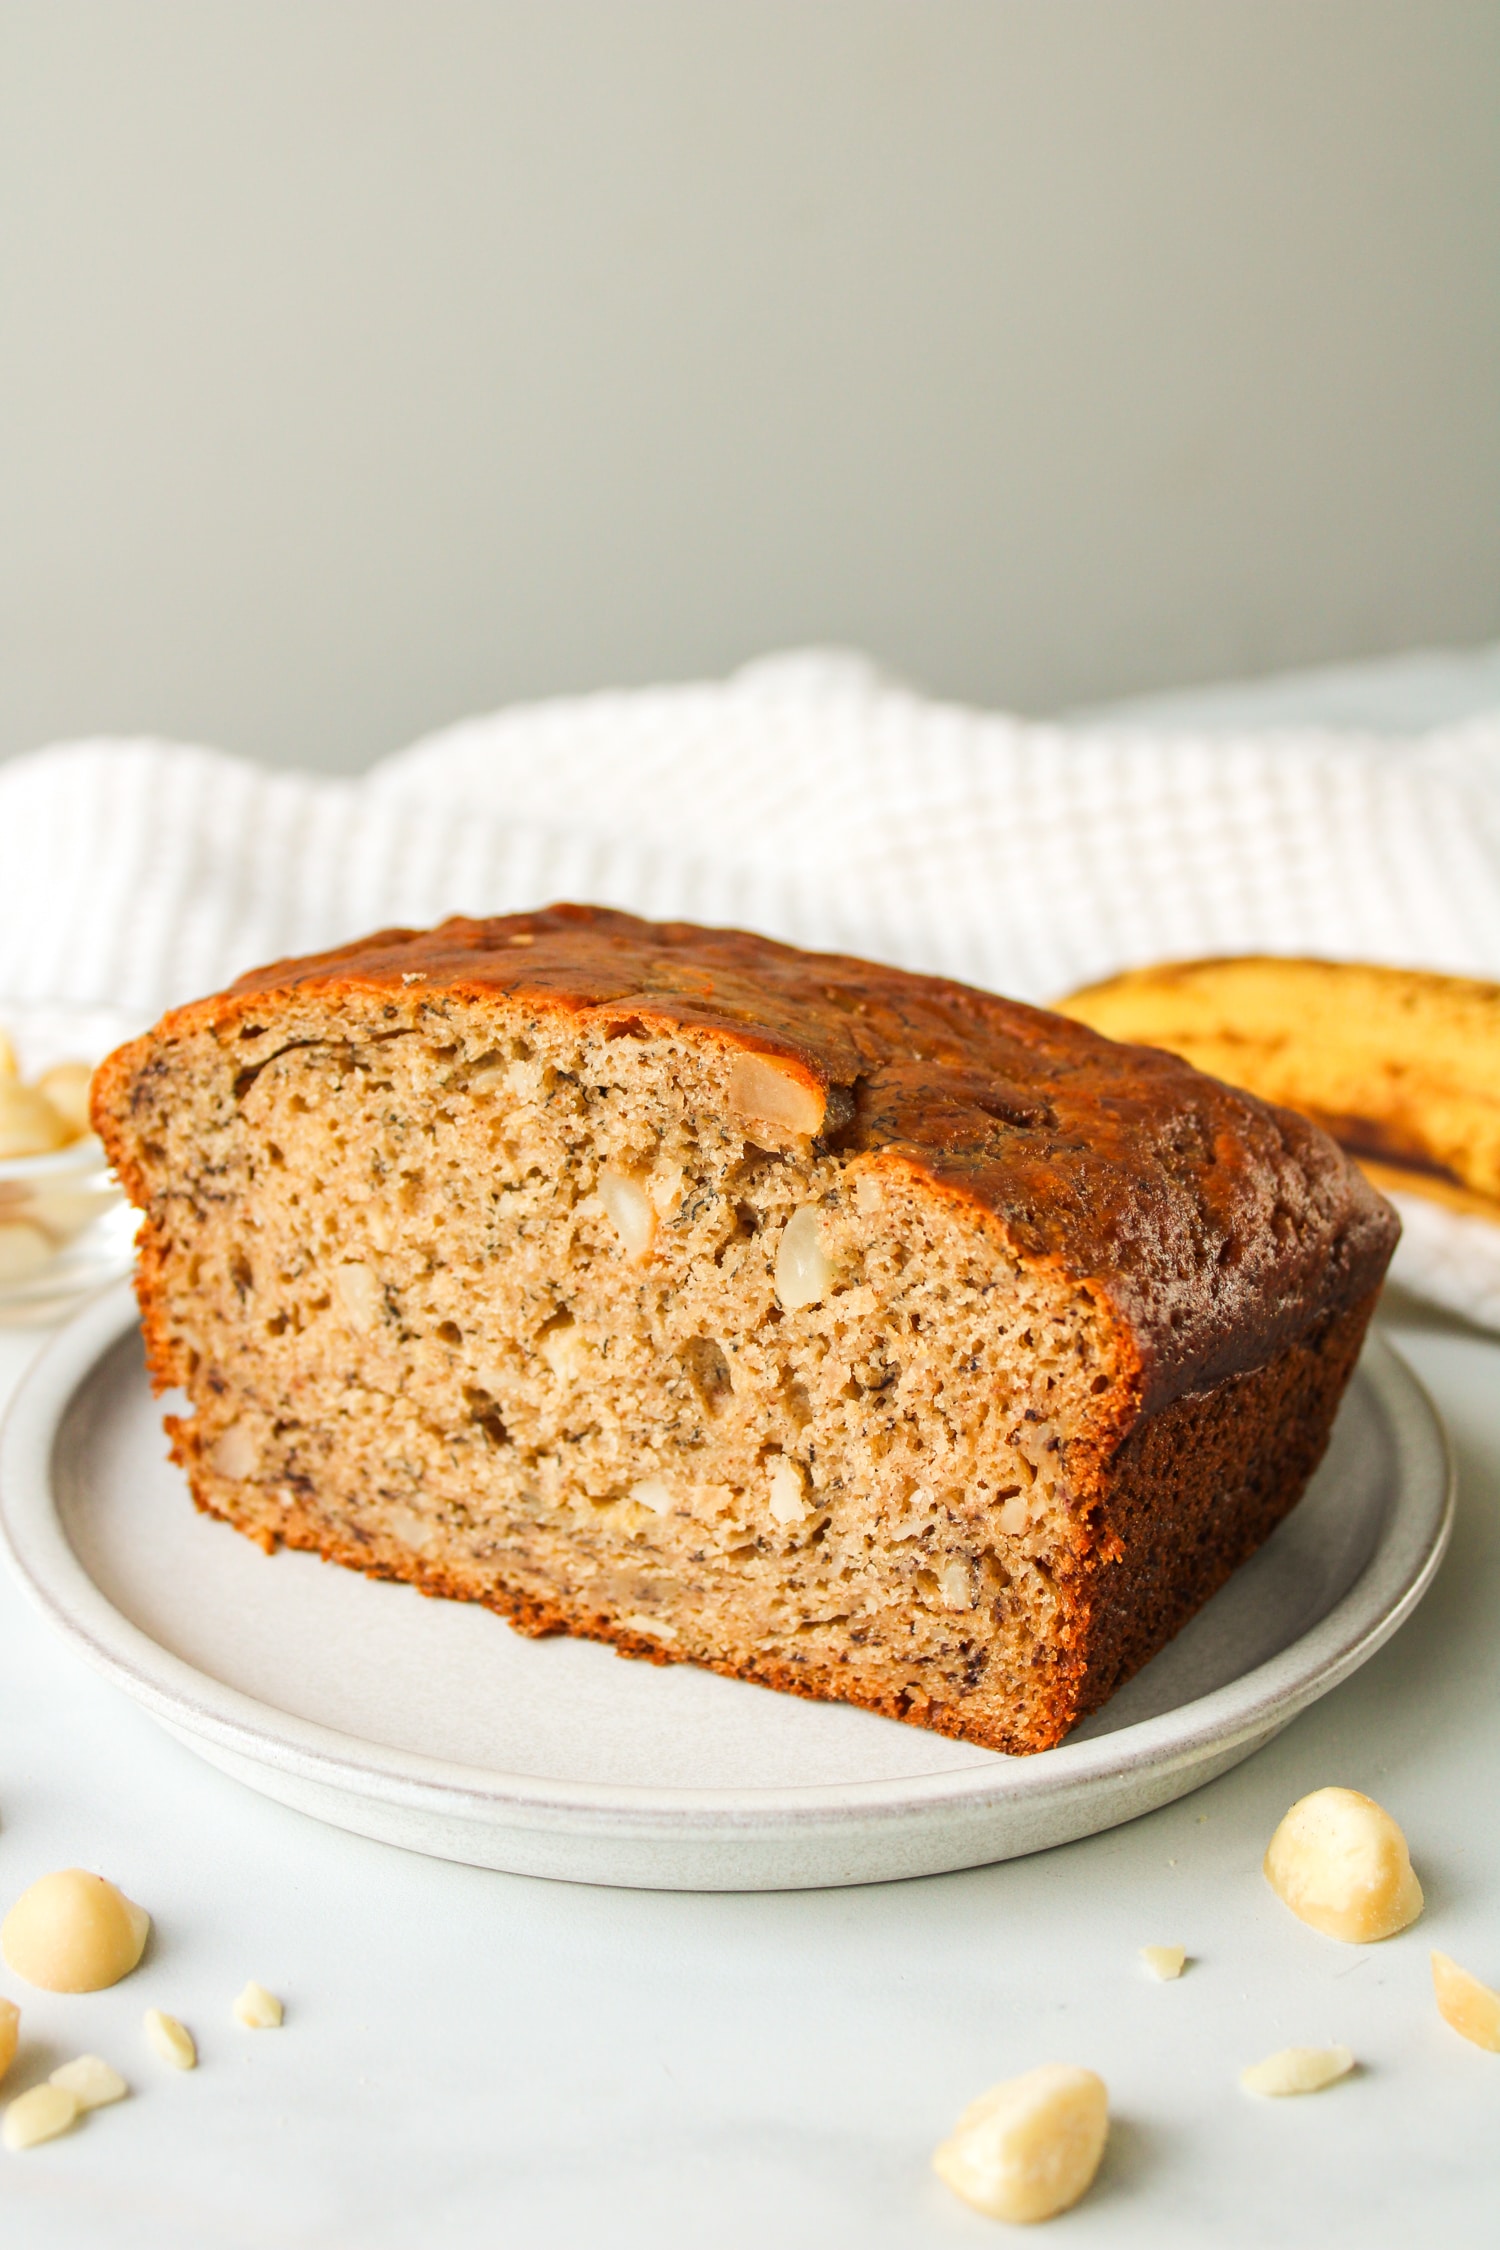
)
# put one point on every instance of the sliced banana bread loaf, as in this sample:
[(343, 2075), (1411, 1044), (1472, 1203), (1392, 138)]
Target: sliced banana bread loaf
[(849, 1331)]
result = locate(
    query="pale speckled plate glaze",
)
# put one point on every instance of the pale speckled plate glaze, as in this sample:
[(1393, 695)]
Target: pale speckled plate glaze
[(432, 1725)]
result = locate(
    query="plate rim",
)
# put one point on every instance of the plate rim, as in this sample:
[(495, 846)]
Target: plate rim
[(192, 1703)]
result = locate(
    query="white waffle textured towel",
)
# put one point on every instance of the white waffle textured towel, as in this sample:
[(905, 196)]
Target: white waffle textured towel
[(808, 797)]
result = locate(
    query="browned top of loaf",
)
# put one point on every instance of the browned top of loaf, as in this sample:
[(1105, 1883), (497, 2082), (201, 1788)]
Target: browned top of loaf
[(1217, 1226)]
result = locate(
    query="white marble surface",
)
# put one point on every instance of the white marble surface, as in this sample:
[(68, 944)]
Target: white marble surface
[(482, 2059)]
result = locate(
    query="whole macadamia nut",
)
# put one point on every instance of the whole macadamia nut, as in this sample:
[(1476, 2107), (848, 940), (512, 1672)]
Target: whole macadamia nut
[(1339, 1861), (1029, 2147), (29, 1125), (73, 1932), (66, 1086)]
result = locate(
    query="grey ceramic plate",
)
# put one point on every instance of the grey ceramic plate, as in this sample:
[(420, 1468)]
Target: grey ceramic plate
[(432, 1725)]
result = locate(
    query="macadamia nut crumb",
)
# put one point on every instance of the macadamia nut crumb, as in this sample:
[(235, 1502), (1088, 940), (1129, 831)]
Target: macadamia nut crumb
[(1470, 2007), (1165, 1961), (39, 2115), (1297, 2070), (91, 2081), (258, 2009), (171, 2040)]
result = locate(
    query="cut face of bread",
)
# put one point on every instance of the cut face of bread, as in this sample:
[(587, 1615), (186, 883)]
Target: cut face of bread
[(642, 1283)]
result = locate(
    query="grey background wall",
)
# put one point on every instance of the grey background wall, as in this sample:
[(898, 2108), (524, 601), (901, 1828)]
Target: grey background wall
[(365, 362)]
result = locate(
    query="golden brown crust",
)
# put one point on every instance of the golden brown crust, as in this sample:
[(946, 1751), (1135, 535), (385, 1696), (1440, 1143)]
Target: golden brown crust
[(1197, 1488), (1218, 1227)]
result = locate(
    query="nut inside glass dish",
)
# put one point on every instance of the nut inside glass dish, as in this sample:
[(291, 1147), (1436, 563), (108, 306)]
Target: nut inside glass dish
[(65, 1228)]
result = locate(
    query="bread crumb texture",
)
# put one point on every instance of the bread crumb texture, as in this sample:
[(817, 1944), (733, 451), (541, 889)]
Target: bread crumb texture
[(845, 1331)]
